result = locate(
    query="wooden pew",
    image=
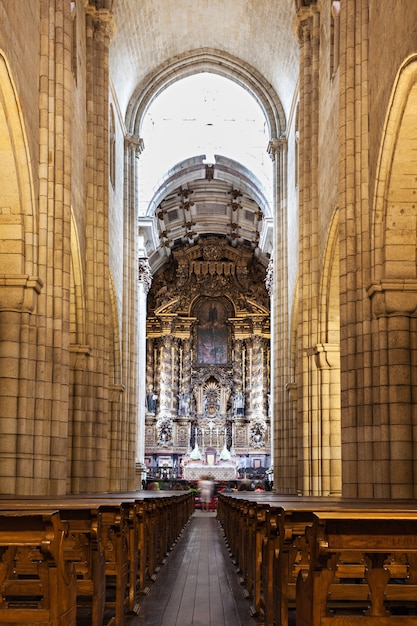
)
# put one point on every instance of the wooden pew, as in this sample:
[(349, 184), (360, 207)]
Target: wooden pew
[(280, 529), (96, 544), (382, 543), (157, 519), (116, 542), (37, 584)]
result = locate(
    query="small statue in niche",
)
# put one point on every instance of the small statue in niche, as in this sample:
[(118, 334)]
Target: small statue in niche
[(239, 404), (184, 400), (151, 399)]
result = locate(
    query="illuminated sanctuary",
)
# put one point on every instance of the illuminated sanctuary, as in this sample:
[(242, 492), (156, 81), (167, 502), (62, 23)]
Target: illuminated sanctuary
[(207, 371)]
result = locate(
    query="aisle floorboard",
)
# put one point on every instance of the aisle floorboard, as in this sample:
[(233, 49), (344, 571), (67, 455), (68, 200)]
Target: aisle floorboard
[(198, 585)]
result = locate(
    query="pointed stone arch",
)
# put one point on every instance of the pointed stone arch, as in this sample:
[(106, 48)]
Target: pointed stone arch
[(18, 255), (213, 61), (394, 224), (327, 357), (19, 290), (393, 294)]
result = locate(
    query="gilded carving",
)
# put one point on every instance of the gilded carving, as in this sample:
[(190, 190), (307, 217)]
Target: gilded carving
[(208, 316)]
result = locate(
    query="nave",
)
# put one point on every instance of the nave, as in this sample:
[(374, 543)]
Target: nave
[(198, 584)]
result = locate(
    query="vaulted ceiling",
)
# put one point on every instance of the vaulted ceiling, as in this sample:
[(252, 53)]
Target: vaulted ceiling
[(150, 34), (252, 42)]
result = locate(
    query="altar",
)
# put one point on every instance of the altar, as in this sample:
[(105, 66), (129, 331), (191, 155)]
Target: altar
[(218, 467), (216, 472)]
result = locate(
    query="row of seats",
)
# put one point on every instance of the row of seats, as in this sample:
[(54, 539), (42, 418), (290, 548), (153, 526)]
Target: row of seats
[(330, 561), (63, 555)]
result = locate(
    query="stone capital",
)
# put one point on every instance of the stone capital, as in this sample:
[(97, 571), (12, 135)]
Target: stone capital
[(103, 21), (393, 297), (276, 145), (18, 292), (135, 144), (327, 355), (115, 392), (79, 356), (302, 25), (291, 389)]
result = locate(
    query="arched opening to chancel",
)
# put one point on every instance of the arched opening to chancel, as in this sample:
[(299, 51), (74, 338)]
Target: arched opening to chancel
[(205, 192)]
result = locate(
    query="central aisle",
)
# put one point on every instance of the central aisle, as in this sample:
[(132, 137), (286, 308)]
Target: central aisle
[(198, 585)]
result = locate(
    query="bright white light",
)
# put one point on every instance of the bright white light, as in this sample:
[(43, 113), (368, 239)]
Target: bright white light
[(204, 114)]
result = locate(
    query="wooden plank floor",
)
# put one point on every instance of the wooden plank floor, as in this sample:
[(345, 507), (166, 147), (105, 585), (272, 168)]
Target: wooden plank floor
[(197, 585)]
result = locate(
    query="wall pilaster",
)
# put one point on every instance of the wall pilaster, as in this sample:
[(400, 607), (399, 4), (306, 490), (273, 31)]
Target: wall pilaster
[(394, 303), (283, 442), (40, 363), (91, 472), (309, 453), (355, 261)]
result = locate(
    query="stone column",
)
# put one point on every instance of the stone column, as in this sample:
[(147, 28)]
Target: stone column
[(283, 443), (90, 466), (356, 340), (134, 285), (17, 304), (327, 357), (394, 303), (35, 283), (307, 382)]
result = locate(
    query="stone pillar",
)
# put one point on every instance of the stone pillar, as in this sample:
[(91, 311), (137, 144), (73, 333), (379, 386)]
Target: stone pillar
[(17, 358), (90, 466), (394, 431), (35, 291), (356, 340), (135, 285), (327, 358), (309, 451), (283, 443)]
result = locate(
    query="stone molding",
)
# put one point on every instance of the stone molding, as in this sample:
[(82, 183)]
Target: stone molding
[(19, 293), (145, 274), (393, 297)]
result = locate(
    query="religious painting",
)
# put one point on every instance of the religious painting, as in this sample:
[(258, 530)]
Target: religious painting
[(212, 333)]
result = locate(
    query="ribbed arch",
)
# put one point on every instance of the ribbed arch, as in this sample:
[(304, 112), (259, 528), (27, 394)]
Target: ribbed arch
[(212, 61)]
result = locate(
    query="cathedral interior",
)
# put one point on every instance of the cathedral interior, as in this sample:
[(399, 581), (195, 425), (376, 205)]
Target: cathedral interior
[(226, 283)]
